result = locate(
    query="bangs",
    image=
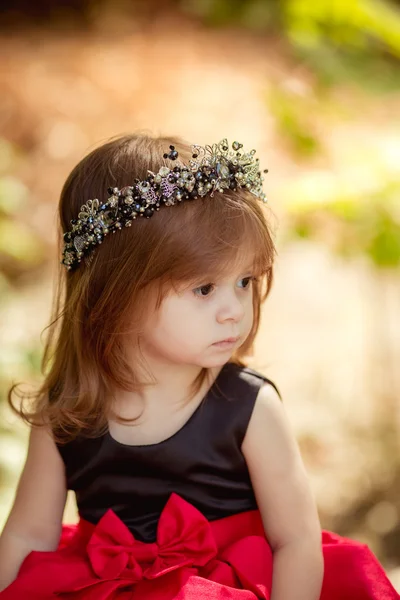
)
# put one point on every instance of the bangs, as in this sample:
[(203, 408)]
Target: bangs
[(220, 236)]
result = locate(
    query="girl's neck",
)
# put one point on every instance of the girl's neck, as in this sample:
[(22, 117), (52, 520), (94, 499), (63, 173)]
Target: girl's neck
[(160, 411), (170, 384)]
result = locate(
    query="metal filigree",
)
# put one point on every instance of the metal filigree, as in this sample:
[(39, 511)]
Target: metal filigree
[(212, 168)]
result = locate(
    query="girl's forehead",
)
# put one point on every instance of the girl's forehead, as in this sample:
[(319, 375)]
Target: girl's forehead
[(238, 264), (245, 255), (241, 263)]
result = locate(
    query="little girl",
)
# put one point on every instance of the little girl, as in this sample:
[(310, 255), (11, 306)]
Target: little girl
[(188, 480)]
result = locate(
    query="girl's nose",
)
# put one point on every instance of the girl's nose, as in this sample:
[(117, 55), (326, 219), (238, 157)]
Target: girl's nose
[(231, 309)]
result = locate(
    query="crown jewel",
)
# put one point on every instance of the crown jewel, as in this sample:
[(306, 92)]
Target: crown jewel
[(211, 168)]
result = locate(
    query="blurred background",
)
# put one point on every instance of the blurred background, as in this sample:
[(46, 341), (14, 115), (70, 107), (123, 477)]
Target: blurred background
[(315, 88)]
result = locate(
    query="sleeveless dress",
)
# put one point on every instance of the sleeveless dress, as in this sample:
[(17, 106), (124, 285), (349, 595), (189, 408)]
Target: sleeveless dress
[(178, 520)]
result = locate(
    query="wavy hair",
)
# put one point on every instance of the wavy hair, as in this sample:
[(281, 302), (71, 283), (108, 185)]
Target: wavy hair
[(98, 305)]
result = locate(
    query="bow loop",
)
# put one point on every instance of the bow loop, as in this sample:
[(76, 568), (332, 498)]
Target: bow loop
[(184, 538), (112, 549)]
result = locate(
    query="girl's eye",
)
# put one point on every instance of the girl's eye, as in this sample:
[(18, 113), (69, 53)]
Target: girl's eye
[(247, 280), (204, 290)]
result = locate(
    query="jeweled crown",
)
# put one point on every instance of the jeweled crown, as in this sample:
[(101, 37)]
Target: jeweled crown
[(211, 169)]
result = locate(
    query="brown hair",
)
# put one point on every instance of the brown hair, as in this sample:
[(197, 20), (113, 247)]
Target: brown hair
[(96, 306)]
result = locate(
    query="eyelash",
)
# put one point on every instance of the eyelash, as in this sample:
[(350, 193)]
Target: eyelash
[(210, 284)]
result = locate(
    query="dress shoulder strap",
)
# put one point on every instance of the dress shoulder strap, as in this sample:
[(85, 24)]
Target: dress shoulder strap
[(234, 398)]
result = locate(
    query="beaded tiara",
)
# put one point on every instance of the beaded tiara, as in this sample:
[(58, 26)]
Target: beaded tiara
[(211, 168)]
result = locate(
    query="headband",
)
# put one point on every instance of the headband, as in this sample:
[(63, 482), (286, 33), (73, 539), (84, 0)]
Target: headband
[(211, 169)]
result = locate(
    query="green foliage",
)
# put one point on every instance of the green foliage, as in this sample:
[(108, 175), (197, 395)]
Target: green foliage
[(352, 225), (358, 24), (254, 14), (18, 243), (292, 120), (356, 41)]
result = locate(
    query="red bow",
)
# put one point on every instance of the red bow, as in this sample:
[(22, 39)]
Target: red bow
[(184, 538)]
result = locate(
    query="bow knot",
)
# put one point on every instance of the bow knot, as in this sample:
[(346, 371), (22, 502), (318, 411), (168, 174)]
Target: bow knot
[(145, 553)]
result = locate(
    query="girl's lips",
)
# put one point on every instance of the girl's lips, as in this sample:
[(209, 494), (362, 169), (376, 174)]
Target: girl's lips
[(226, 342)]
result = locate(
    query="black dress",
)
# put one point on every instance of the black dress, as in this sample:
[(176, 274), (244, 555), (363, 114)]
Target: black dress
[(178, 520), (202, 462)]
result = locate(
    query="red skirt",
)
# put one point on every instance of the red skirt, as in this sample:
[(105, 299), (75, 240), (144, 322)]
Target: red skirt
[(192, 559)]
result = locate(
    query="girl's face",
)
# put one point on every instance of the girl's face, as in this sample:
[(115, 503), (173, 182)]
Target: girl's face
[(191, 321)]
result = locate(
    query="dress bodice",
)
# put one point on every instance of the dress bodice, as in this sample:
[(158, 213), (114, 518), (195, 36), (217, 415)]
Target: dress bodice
[(202, 462)]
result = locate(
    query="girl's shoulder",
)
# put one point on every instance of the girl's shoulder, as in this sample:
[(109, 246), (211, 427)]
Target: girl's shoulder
[(224, 412), (241, 381), (233, 401)]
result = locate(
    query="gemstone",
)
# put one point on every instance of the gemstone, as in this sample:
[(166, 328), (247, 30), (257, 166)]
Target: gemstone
[(106, 219), (222, 170), (127, 191), (79, 243)]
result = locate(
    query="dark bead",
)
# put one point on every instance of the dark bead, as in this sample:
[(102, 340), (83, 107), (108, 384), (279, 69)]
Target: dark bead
[(174, 155), (67, 237), (194, 155), (199, 175), (148, 212), (74, 221), (176, 169), (165, 155), (110, 190)]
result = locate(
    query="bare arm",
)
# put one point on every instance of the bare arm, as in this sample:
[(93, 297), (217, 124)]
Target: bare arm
[(285, 501), (35, 520)]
